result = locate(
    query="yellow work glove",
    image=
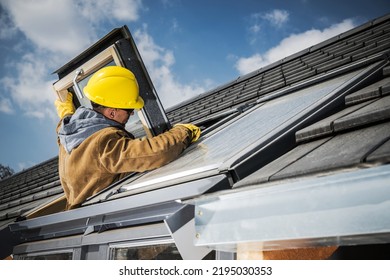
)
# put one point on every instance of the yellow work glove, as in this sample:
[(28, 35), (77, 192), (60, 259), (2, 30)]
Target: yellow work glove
[(66, 107), (195, 131)]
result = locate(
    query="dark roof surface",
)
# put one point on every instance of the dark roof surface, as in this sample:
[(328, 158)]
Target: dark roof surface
[(28, 189), (357, 136), (362, 120)]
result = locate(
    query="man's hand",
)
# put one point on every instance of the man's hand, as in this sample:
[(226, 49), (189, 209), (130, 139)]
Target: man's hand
[(195, 131), (66, 107)]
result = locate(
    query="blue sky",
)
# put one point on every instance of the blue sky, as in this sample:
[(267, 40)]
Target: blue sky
[(189, 47)]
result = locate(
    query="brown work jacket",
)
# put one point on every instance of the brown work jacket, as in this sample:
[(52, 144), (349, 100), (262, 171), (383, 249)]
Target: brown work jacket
[(110, 154)]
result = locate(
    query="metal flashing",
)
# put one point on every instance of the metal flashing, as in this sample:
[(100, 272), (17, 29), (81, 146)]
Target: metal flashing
[(340, 209), (169, 177), (116, 238), (123, 211)]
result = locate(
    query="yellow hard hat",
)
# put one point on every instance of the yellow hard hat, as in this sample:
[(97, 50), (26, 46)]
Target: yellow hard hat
[(114, 87)]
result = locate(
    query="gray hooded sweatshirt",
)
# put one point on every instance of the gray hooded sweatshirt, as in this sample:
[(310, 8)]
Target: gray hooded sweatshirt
[(83, 123)]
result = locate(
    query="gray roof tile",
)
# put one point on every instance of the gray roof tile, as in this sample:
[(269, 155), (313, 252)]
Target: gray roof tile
[(19, 192), (386, 71), (385, 89), (266, 173), (325, 127), (342, 151), (367, 93), (381, 153), (374, 112)]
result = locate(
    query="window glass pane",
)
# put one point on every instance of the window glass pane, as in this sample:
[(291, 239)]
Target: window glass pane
[(134, 126), (55, 256), (151, 252), (262, 124), (84, 101)]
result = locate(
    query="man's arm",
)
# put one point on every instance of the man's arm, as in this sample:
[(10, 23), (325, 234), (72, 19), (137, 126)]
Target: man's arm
[(120, 154)]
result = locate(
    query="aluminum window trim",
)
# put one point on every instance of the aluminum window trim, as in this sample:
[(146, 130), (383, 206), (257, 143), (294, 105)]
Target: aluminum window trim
[(44, 253), (316, 213), (69, 244), (139, 243)]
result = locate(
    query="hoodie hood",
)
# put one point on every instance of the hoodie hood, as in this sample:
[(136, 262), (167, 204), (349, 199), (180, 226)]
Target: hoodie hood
[(83, 123)]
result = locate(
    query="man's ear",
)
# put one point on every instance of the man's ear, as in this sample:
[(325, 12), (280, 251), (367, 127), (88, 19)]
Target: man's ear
[(109, 113), (112, 113)]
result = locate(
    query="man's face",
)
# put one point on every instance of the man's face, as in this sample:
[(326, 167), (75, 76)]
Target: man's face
[(123, 115)]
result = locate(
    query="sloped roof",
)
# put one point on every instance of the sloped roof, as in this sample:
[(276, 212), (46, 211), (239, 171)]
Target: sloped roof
[(247, 99), (23, 192), (331, 189), (28, 189), (358, 135)]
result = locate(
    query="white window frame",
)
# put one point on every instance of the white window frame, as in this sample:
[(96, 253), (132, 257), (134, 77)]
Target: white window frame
[(109, 54)]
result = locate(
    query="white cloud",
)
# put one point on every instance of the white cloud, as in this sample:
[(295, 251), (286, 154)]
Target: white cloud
[(158, 62), (175, 26), (290, 45), (255, 28), (57, 31), (6, 106), (30, 89), (101, 10), (7, 29), (50, 25), (277, 17), (24, 165), (67, 26), (245, 65)]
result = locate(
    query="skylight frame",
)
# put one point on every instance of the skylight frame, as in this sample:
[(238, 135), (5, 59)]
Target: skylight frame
[(200, 160)]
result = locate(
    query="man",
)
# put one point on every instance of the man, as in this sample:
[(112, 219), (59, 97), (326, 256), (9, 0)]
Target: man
[(94, 148)]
